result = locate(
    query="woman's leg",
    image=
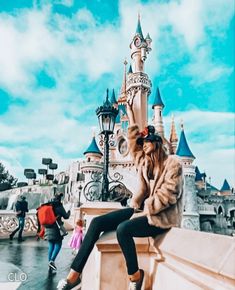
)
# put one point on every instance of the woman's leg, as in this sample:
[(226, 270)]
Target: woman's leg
[(51, 246), (137, 227), (103, 223), (56, 250)]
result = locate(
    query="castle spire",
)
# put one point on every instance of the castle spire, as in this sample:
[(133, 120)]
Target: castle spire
[(183, 148), (113, 98), (93, 148), (122, 97), (158, 100), (138, 28), (130, 70), (138, 84), (225, 186), (173, 135)]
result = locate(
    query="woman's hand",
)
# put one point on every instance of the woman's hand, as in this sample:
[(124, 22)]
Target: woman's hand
[(134, 204)]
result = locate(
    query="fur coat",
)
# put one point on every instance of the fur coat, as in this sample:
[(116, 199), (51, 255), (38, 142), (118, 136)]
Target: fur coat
[(163, 198)]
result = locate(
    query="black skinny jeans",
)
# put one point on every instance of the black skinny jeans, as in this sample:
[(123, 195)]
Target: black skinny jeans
[(125, 228)]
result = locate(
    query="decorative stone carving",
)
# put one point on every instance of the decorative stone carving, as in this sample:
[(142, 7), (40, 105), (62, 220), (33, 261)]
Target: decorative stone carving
[(9, 221), (191, 223), (138, 81)]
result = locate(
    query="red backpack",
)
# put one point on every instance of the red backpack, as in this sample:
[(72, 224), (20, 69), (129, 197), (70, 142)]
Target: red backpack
[(46, 215)]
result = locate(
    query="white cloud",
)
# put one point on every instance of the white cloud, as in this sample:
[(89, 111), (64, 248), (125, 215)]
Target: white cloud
[(203, 70), (67, 3), (71, 48)]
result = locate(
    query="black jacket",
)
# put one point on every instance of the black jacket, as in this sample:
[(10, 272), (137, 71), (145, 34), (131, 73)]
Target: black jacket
[(52, 233), (21, 207)]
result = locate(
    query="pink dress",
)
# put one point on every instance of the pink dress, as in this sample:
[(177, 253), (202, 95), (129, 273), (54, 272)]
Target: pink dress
[(76, 238)]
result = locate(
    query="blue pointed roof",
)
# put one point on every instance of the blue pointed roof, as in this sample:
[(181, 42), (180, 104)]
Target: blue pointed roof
[(139, 29), (130, 70), (225, 186), (199, 175), (113, 98), (158, 100), (93, 148), (183, 148), (148, 37)]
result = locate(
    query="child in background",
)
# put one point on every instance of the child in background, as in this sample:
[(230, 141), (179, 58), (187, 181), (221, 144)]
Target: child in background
[(77, 236)]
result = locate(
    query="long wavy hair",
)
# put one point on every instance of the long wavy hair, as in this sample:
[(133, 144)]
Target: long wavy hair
[(156, 159)]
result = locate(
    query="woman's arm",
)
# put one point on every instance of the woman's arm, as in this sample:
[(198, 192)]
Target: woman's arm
[(61, 212), (129, 108)]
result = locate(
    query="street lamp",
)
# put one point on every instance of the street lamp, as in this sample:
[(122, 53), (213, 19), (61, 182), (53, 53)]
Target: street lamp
[(106, 115)]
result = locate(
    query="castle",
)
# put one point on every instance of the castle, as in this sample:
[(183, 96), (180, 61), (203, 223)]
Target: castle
[(205, 207)]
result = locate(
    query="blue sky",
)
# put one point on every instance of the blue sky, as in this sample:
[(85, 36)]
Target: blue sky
[(58, 57)]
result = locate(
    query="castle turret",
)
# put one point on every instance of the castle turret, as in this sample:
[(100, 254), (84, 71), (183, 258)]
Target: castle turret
[(93, 152), (173, 136), (138, 84), (158, 108), (93, 164), (225, 189), (190, 215)]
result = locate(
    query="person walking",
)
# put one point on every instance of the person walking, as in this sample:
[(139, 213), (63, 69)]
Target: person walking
[(154, 208), (53, 232), (21, 208)]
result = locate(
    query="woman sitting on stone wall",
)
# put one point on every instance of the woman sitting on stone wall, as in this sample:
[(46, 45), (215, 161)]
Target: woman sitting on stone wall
[(156, 207)]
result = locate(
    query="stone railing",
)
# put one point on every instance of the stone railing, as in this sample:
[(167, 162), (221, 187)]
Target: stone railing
[(9, 221)]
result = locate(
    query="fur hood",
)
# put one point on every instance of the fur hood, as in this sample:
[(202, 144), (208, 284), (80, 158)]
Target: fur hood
[(162, 196)]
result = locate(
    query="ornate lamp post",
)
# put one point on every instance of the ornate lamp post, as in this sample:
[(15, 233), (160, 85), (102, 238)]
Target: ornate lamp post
[(79, 195), (106, 115)]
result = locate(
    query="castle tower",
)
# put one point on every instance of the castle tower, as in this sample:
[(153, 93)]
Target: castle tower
[(93, 165), (138, 86), (173, 136), (190, 215), (158, 108)]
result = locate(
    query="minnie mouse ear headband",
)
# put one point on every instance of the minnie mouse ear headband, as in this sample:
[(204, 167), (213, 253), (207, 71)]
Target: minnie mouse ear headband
[(148, 134)]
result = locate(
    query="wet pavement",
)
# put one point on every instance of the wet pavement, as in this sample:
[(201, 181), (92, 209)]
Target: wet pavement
[(24, 265)]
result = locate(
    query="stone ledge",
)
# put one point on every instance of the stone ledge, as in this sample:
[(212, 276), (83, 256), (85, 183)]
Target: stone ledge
[(189, 259), (108, 243), (99, 208), (211, 252)]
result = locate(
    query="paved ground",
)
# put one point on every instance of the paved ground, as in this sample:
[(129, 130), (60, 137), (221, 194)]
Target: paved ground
[(24, 266)]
